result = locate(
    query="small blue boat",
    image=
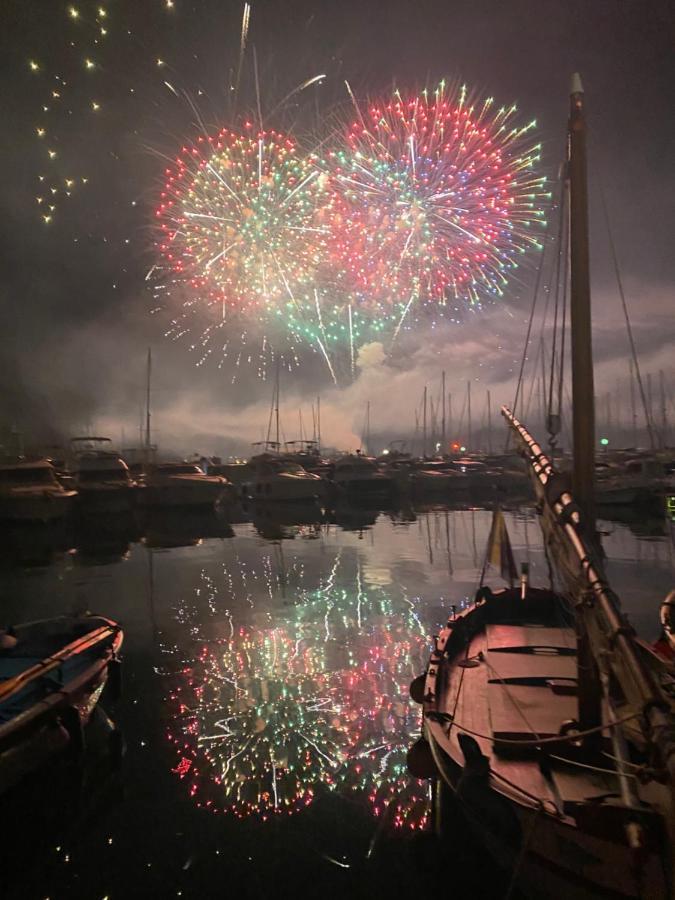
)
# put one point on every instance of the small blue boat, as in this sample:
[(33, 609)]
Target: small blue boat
[(52, 674)]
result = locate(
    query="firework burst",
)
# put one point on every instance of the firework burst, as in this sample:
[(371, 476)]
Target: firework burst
[(245, 224), (439, 201)]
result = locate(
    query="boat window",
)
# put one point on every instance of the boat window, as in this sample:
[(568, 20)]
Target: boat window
[(41, 475), (88, 476)]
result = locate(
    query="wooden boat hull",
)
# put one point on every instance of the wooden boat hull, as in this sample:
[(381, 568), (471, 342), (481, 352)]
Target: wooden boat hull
[(562, 841), (54, 722), (552, 859)]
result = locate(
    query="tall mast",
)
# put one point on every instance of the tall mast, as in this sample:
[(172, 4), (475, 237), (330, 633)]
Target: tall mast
[(276, 408), (443, 429), (450, 413), (318, 424), (367, 427), (424, 425), (468, 400), (633, 411), (664, 415), (583, 412), (489, 422), (147, 401)]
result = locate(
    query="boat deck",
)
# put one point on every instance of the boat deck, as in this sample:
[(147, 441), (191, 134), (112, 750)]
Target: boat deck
[(528, 675)]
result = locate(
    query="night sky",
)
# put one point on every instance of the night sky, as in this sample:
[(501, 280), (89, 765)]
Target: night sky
[(76, 306)]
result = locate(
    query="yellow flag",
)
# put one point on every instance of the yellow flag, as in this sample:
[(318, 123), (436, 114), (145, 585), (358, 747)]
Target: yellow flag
[(499, 552)]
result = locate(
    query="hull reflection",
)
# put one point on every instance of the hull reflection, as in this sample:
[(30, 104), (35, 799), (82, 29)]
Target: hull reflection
[(171, 527)]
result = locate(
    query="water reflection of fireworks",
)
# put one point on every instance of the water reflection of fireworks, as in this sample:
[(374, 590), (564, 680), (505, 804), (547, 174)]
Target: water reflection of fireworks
[(257, 721), (264, 717)]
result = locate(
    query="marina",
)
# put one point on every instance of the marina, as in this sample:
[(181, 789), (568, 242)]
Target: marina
[(339, 615), (337, 451)]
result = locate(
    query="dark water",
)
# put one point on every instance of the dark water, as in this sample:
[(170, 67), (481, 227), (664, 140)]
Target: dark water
[(265, 700)]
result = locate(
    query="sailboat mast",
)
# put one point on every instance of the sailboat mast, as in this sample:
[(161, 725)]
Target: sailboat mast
[(318, 424), (468, 400), (633, 411), (583, 412), (489, 422), (443, 423), (664, 414), (424, 425), (368, 428), (147, 399), (276, 408)]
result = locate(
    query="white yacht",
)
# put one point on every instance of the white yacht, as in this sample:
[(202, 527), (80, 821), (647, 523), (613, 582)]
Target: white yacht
[(30, 491), (355, 473), (182, 484), (103, 482), (269, 476)]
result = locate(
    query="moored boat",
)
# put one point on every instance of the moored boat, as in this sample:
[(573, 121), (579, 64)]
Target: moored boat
[(30, 491), (52, 674), (271, 477), (181, 484), (102, 478), (361, 477)]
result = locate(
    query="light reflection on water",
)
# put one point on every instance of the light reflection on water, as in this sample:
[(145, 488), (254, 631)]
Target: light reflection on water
[(266, 680)]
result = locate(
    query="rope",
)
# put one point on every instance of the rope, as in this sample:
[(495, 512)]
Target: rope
[(535, 295), (617, 273), (556, 739), (574, 762), (554, 340)]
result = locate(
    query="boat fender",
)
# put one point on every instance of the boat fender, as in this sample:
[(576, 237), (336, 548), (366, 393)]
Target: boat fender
[(477, 764), (417, 688), (667, 614), (569, 728), (420, 761), (483, 595)]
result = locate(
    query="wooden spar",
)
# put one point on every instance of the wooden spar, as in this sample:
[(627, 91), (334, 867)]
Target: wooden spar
[(583, 413), (468, 400), (606, 629), (583, 393)]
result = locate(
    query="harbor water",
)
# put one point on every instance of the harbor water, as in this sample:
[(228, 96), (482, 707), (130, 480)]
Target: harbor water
[(264, 704)]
